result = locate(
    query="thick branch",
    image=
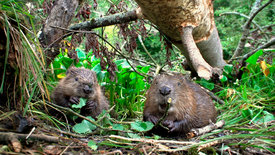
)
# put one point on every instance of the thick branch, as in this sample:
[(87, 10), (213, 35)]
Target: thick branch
[(119, 18), (61, 15), (203, 69), (246, 28)]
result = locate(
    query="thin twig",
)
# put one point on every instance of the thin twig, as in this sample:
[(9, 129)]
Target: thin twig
[(145, 49), (246, 28)]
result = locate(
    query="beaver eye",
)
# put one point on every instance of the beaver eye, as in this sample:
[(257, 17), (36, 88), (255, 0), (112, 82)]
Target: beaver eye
[(76, 79), (179, 83)]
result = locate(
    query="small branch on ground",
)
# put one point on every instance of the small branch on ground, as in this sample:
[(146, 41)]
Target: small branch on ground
[(4, 136), (208, 145), (206, 129)]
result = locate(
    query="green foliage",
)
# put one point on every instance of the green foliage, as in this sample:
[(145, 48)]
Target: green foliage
[(82, 103), (252, 97), (84, 127), (92, 144), (142, 126)]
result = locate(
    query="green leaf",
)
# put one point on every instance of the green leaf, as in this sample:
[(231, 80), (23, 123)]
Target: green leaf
[(97, 68), (266, 117), (224, 78), (82, 103), (81, 54), (142, 126), (92, 144), (145, 69), (84, 126), (247, 113), (207, 84), (122, 63), (253, 58), (118, 127)]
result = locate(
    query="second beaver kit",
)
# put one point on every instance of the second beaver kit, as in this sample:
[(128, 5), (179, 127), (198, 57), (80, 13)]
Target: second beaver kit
[(80, 83), (189, 105)]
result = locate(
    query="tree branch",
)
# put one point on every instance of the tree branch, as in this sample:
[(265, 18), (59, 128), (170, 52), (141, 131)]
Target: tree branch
[(203, 69), (246, 28), (119, 18)]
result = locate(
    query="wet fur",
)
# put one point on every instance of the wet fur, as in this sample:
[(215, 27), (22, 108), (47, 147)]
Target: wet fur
[(191, 107)]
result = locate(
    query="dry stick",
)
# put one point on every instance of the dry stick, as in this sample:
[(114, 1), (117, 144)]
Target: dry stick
[(5, 135), (208, 145), (246, 28), (206, 129), (153, 141)]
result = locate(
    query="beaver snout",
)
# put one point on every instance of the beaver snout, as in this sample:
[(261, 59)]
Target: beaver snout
[(164, 90), (87, 89)]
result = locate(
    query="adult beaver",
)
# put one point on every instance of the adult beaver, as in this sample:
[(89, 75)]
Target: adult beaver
[(189, 105), (80, 83)]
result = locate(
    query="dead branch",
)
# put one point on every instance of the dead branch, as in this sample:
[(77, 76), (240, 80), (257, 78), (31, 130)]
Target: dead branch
[(246, 28), (118, 18), (208, 144), (152, 141), (4, 136), (206, 129)]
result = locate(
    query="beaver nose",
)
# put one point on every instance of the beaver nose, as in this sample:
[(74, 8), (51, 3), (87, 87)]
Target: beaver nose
[(87, 89), (164, 90)]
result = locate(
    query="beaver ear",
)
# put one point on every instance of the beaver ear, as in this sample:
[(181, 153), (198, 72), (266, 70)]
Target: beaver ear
[(71, 70)]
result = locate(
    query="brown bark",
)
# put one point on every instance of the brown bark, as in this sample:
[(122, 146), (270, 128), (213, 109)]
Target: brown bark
[(118, 18), (60, 16), (204, 53)]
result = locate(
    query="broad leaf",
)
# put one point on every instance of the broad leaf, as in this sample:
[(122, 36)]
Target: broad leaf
[(92, 144), (253, 58), (84, 126), (82, 103), (142, 126)]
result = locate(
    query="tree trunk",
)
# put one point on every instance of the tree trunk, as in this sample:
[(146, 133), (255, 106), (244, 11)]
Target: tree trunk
[(177, 19), (60, 16)]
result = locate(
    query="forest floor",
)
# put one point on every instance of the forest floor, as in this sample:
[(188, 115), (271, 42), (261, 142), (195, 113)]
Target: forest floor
[(43, 138)]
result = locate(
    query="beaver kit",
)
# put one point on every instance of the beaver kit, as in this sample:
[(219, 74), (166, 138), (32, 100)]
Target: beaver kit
[(189, 106), (80, 83)]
